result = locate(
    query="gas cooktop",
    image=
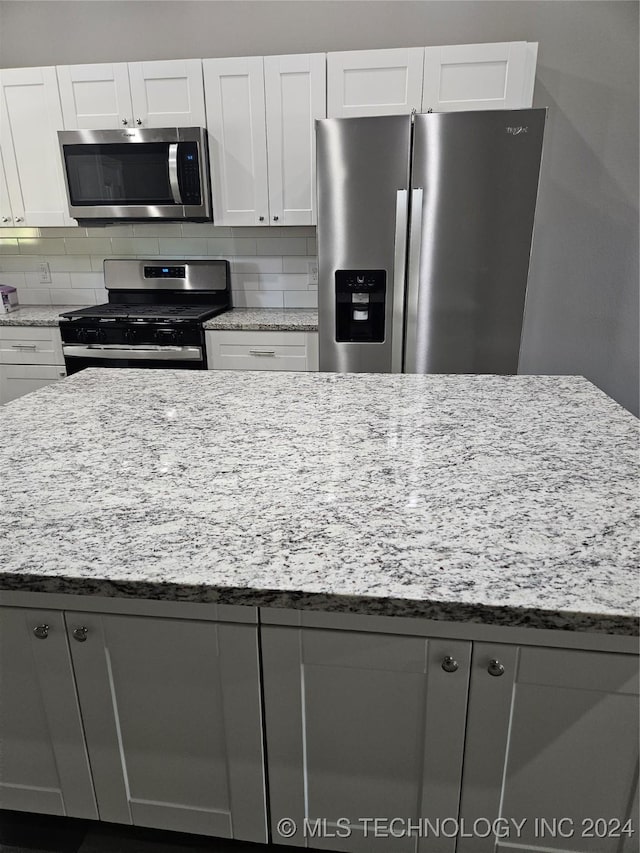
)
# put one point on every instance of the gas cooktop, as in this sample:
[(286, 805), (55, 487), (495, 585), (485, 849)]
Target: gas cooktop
[(116, 311)]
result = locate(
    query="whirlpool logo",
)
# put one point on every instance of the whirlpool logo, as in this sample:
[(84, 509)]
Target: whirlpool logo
[(516, 131)]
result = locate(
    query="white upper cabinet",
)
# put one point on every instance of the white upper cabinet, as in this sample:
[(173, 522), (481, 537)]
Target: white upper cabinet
[(295, 94), (146, 94), (374, 82), (95, 97), (167, 94), (261, 120), (234, 95), (479, 76), (30, 117)]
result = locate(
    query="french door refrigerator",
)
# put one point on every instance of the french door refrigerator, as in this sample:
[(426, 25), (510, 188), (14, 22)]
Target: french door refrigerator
[(424, 235)]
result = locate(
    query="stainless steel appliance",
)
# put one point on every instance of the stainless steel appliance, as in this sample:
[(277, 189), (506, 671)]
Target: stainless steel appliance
[(153, 317), (136, 174), (424, 235)]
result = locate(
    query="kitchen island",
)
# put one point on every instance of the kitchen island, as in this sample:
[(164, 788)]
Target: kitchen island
[(385, 578)]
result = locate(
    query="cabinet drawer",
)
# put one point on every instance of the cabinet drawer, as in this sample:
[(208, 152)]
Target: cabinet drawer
[(261, 350), (19, 379), (30, 345)]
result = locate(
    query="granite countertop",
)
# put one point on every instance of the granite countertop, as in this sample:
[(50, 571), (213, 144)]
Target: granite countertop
[(266, 320), (35, 315), (238, 319), (499, 500)]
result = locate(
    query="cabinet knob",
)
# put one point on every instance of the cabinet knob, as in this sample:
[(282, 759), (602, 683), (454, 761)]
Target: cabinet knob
[(80, 634), (125, 121), (6, 219), (19, 218), (275, 218), (449, 664), (495, 668), (138, 121), (261, 219), (41, 631)]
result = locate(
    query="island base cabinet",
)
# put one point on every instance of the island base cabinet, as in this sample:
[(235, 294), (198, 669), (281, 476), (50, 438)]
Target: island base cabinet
[(551, 751), (44, 765), (362, 726), (172, 716)]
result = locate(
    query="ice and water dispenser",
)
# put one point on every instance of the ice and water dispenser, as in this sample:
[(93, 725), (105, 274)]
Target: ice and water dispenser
[(360, 305)]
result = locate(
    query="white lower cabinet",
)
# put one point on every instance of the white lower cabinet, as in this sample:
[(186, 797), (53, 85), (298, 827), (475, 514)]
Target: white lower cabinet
[(164, 711), (380, 734), (231, 350), (502, 747), (30, 358)]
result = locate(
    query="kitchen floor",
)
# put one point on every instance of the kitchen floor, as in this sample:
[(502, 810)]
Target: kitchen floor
[(28, 833)]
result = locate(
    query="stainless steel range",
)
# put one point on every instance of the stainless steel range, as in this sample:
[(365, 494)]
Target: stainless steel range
[(153, 318)]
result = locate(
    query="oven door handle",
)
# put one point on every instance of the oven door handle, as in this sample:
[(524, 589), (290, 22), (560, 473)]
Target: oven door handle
[(173, 173), (98, 351)]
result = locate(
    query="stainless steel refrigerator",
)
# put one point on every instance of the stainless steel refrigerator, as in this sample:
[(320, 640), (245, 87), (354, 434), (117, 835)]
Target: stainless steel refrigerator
[(424, 235)]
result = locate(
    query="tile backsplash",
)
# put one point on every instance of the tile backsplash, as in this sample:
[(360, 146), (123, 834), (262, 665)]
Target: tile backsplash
[(269, 266)]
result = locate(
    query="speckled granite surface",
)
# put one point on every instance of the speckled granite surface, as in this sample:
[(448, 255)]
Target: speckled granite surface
[(501, 500), (35, 315), (266, 320)]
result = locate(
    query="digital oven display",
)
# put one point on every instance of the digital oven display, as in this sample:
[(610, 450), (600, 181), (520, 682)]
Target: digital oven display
[(164, 272)]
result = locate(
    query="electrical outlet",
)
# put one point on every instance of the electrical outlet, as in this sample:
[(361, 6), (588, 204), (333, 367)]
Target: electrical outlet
[(313, 272), (45, 273)]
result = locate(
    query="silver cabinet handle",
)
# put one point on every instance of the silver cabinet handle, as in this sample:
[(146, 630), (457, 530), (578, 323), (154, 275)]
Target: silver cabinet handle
[(495, 668), (449, 664), (261, 352), (261, 219), (125, 121), (19, 218), (399, 265), (275, 218), (6, 219), (139, 122), (24, 346), (41, 631), (80, 634)]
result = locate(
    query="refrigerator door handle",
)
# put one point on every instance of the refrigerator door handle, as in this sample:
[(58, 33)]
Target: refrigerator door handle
[(399, 269), (413, 281)]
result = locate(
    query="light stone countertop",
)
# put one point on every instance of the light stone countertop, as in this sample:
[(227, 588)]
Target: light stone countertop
[(238, 319), (498, 500), (36, 315), (266, 320)]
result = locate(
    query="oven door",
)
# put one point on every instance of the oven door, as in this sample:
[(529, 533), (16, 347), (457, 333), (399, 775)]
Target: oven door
[(79, 356)]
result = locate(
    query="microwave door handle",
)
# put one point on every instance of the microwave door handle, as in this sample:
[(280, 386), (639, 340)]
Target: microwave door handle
[(173, 173)]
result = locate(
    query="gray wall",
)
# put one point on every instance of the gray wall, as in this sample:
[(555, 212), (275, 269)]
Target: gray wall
[(582, 310)]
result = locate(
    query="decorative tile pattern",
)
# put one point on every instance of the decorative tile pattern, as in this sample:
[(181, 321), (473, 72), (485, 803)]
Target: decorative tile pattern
[(501, 500)]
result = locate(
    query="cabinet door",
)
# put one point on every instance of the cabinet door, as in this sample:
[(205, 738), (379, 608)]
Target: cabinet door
[(44, 766), (95, 97), (555, 737), (295, 91), (167, 93), (479, 76), (374, 82), (16, 380), (30, 117), (362, 725), (171, 711), (234, 96)]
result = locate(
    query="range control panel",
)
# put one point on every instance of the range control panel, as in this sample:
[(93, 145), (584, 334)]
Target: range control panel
[(360, 305)]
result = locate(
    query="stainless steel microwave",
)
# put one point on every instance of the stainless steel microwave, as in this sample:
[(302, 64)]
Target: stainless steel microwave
[(137, 174)]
